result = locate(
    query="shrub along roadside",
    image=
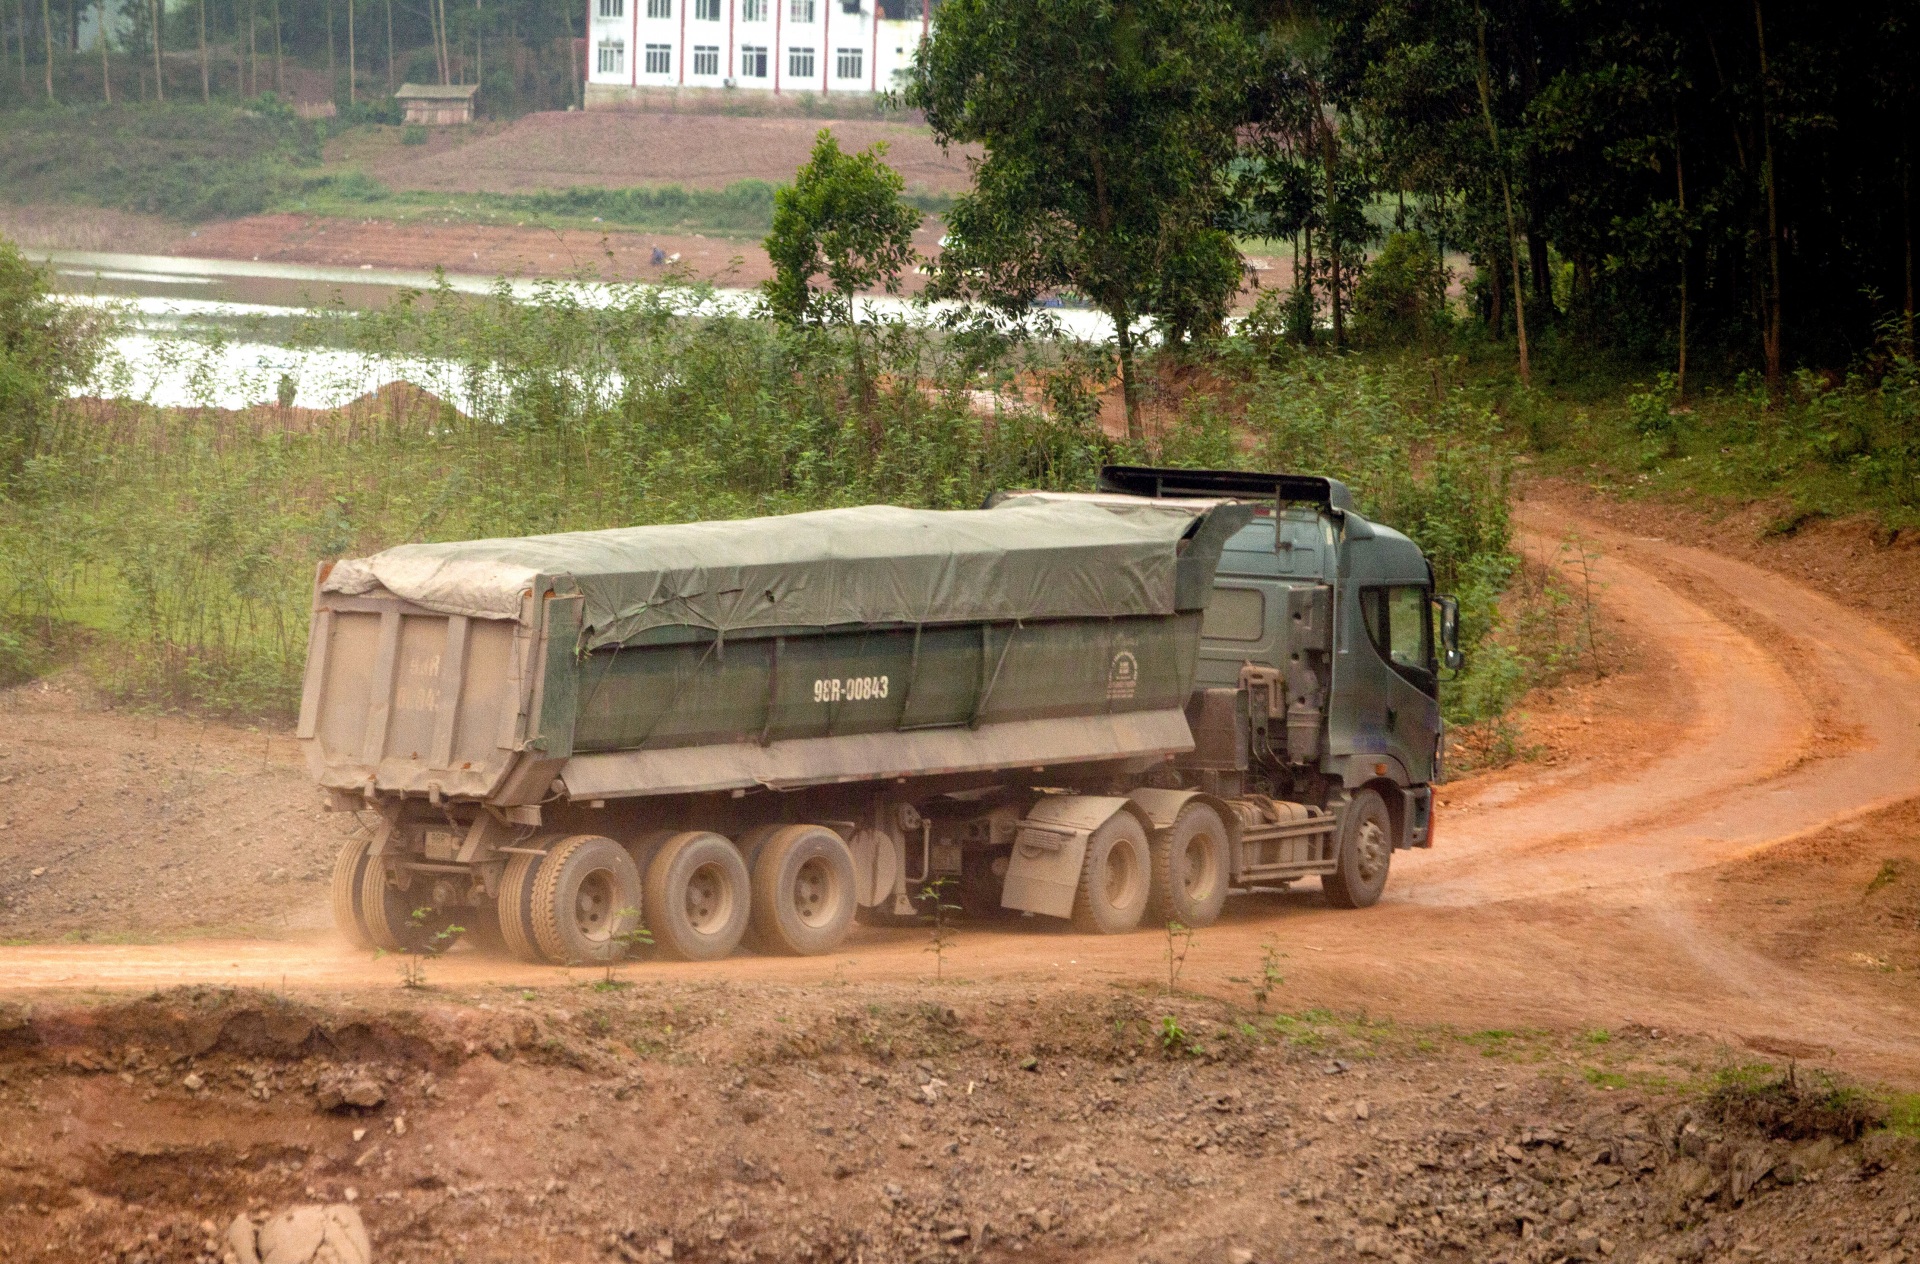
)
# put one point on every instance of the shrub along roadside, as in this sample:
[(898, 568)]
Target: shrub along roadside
[(186, 537)]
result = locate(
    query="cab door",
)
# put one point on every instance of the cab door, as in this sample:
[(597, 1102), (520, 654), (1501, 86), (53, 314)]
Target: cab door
[(1398, 705)]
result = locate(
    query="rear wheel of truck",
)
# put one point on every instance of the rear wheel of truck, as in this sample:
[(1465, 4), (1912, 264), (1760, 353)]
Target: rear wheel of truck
[(514, 905), (403, 912), (349, 871), (586, 901), (1366, 851), (695, 896), (1190, 868), (1113, 878), (803, 891)]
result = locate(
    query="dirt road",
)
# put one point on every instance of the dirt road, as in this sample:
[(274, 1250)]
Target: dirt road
[(1614, 888)]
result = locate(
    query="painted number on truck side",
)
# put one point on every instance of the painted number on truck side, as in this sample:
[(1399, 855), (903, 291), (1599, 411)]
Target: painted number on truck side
[(850, 689)]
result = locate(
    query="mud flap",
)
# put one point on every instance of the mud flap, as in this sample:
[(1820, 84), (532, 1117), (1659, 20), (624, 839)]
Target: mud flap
[(1043, 875), (1418, 816)]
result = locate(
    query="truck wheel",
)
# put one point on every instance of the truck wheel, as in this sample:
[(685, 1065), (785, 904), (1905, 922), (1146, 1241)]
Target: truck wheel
[(695, 896), (349, 871), (586, 900), (1113, 878), (1190, 868), (803, 891), (404, 919), (515, 904), (1366, 849)]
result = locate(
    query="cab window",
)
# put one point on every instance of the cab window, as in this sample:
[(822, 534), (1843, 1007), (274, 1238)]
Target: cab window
[(1235, 614), (1401, 629)]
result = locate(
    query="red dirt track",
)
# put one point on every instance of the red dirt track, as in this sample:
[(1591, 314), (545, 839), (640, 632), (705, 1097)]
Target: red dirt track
[(1582, 893)]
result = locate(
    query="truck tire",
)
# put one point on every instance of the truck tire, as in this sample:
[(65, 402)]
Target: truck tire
[(803, 891), (1114, 879), (515, 904), (1190, 868), (388, 912), (349, 871), (1366, 851), (586, 901), (696, 897)]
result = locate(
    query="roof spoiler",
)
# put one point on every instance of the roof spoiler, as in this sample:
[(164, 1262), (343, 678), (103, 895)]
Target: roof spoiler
[(1163, 483)]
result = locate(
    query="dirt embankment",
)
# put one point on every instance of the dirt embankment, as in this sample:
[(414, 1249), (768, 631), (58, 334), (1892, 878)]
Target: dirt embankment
[(625, 148), (717, 1122)]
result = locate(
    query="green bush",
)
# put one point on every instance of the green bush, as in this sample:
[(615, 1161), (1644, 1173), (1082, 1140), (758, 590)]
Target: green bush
[(1401, 298), (413, 134)]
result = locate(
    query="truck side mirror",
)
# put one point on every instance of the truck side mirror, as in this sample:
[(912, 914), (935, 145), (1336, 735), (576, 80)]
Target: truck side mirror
[(1450, 654)]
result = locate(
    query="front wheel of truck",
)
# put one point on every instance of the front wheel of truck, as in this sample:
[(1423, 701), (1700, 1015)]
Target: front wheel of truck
[(1366, 851), (695, 896), (1190, 868), (803, 891), (586, 901), (1113, 878)]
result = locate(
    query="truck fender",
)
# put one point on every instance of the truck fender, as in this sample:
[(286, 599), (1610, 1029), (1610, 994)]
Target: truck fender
[(1043, 874)]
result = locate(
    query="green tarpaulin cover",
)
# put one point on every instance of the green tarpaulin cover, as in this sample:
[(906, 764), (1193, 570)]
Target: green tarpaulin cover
[(875, 564)]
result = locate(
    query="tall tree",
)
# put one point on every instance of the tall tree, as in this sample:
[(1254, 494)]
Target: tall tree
[(1108, 126), (101, 37), (206, 72), (159, 38), (46, 29)]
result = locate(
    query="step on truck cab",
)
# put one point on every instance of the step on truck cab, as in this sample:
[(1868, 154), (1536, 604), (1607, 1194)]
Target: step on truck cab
[(1108, 707)]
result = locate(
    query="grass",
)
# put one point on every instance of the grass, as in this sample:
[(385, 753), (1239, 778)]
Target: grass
[(743, 209), (188, 161), (185, 538)]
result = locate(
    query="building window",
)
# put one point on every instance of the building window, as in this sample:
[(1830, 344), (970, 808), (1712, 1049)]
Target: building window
[(850, 6), (753, 62), (706, 10), (659, 8), (613, 8), (659, 59), (753, 11), (847, 63), (800, 63), (801, 11), (706, 59), (613, 57)]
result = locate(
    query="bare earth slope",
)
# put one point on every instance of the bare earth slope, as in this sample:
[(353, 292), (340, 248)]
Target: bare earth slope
[(615, 149), (1596, 891)]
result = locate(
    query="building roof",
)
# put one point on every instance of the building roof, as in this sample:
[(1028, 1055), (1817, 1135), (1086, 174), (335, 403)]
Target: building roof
[(436, 91)]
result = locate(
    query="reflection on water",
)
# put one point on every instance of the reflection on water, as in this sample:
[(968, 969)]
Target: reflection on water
[(154, 362)]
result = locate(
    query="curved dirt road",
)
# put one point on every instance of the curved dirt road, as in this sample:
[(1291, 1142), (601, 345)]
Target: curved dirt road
[(1558, 897)]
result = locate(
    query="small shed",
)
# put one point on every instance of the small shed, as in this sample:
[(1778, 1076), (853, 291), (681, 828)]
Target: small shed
[(437, 104)]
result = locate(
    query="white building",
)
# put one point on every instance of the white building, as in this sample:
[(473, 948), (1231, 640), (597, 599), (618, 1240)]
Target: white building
[(771, 45)]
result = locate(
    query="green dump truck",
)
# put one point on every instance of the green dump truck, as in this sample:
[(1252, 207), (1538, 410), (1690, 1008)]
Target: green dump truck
[(1108, 707)]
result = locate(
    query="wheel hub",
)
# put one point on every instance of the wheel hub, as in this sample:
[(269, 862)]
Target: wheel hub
[(812, 892), (1370, 850), (593, 906)]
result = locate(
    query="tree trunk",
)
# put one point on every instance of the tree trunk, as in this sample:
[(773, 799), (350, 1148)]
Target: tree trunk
[(1129, 397), (1771, 339), (478, 52), (1334, 252), (573, 63), (353, 97), (253, 49), (279, 54), (390, 46), (206, 71), (1540, 264), (106, 70), (159, 36), (46, 28), (333, 71), (1506, 190), (1313, 308), (1906, 232), (1680, 180)]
